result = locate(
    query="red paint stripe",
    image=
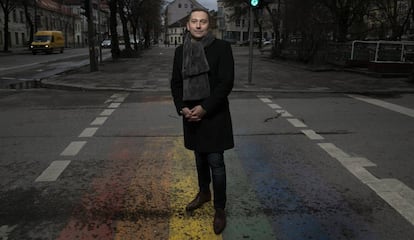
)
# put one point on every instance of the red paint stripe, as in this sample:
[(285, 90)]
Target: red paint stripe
[(93, 217)]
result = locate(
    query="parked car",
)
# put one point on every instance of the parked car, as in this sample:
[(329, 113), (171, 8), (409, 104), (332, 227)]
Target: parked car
[(244, 43), (106, 43), (268, 42)]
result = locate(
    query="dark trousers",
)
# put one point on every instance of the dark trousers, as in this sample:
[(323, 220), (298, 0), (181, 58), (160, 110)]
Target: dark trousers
[(211, 166)]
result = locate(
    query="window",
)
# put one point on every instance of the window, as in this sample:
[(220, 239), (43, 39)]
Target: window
[(238, 22), (16, 35), (21, 16), (14, 16), (1, 37), (23, 38), (179, 5), (186, 5)]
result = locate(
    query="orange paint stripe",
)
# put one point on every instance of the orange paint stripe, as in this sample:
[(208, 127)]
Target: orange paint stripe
[(147, 199)]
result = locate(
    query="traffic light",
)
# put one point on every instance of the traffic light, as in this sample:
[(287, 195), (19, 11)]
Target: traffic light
[(254, 3), (85, 6)]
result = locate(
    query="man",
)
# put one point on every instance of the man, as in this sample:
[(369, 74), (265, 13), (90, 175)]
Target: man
[(202, 79)]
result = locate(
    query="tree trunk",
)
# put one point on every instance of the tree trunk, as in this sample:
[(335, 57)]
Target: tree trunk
[(114, 35), (124, 22)]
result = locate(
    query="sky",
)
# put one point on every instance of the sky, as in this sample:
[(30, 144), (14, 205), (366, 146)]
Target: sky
[(210, 4)]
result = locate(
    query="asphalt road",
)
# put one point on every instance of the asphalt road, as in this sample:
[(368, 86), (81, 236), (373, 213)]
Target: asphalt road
[(25, 68), (111, 165)]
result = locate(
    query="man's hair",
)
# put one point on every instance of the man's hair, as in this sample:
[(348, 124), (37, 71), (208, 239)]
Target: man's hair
[(198, 10)]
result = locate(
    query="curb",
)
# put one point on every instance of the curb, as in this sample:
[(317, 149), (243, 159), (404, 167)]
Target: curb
[(77, 87)]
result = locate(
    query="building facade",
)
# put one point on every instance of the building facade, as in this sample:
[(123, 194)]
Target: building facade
[(233, 23), (52, 15), (178, 11)]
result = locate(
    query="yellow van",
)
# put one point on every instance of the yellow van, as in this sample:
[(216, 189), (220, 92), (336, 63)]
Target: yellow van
[(48, 41)]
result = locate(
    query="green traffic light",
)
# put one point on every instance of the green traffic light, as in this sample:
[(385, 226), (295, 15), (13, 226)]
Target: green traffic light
[(254, 3)]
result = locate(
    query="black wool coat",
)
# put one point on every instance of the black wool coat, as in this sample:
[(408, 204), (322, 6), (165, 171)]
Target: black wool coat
[(214, 133)]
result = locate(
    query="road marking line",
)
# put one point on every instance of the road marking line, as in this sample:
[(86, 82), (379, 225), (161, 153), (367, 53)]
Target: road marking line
[(266, 100), (52, 172), (99, 121), (394, 192), (386, 105), (296, 122), (8, 78), (119, 99), (88, 132), (398, 195), (107, 112), (274, 106), (5, 230), (120, 95), (73, 148), (332, 150), (400, 204), (360, 161), (312, 135), (114, 105), (284, 113)]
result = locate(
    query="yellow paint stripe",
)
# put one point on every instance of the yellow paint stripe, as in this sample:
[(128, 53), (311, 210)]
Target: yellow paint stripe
[(198, 225)]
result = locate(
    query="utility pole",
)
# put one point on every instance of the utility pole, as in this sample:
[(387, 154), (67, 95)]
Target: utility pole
[(253, 3), (91, 35)]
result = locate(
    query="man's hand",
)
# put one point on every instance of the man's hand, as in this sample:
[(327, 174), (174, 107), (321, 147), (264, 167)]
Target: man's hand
[(195, 114), (186, 112)]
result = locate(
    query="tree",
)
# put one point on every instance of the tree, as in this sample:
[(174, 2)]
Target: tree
[(149, 19), (8, 6), (134, 19), (242, 9), (395, 15), (124, 9), (344, 14), (113, 7)]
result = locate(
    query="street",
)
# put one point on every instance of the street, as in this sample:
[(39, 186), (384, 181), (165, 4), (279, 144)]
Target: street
[(25, 67), (313, 158)]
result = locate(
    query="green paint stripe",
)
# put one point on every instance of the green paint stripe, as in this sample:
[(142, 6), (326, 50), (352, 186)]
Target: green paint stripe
[(245, 219)]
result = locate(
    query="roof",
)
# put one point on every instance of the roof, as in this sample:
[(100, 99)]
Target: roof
[(54, 6), (180, 23)]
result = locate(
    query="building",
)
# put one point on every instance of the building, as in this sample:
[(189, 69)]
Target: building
[(100, 17), (175, 19), (53, 15), (178, 9), (233, 23)]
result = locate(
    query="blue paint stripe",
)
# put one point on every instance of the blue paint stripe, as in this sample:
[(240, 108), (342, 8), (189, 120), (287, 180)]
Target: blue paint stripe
[(277, 198)]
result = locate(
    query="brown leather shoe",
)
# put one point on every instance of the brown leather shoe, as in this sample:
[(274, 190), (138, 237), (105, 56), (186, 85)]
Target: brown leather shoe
[(198, 201), (219, 221)]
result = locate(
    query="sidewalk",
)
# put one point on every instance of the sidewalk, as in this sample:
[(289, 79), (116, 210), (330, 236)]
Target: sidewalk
[(152, 71), (15, 51)]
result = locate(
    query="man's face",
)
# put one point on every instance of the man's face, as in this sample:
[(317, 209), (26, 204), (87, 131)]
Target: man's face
[(198, 24)]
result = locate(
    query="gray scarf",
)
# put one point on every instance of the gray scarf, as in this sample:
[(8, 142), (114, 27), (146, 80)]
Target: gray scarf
[(195, 69)]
